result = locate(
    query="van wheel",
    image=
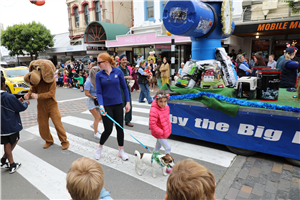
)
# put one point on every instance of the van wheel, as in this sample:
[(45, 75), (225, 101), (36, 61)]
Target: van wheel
[(243, 152), (7, 89), (293, 161)]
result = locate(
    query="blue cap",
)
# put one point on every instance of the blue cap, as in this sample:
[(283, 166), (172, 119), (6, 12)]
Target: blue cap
[(122, 56), (290, 50)]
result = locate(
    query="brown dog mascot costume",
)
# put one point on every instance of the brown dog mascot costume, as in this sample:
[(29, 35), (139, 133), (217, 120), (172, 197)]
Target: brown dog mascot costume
[(43, 88)]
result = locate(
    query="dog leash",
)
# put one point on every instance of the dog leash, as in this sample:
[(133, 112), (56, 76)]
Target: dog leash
[(124, 129)]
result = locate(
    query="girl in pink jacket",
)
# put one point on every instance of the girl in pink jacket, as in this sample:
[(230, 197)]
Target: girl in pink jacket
[(159, 121)]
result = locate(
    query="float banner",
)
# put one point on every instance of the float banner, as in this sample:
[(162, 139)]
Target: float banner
[(266, 133)]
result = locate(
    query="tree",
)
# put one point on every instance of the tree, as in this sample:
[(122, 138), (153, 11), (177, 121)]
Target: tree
[(27, 39), (293, 6)]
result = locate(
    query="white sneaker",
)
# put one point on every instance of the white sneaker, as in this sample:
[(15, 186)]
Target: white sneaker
[(98, 152), (123, 155), (97, 135), (92, 126)]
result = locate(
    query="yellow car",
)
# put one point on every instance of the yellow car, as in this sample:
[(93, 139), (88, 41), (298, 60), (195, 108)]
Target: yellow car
[(14, 80)]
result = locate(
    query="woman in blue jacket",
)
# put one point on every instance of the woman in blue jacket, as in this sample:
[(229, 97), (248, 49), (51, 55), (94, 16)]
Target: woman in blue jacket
[(10, 125), (108, 82)]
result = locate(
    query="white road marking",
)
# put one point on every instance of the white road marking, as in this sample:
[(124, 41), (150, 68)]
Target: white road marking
[(45, 177), (135, 119), (140, 110), (214, 156), (62, 101), (141, 104), (108, 158)]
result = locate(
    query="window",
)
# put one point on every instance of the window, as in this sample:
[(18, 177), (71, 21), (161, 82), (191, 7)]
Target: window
[(86, 14), (76, 17), (162, 6), (98, 11), (149, 10)]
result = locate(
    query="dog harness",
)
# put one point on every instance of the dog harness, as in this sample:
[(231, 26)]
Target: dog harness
[(156, 158)]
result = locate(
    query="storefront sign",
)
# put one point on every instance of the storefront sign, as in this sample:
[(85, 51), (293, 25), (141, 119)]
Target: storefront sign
[(266, 133), (279, 26), (97, 48), (266, 27), (161, 46), (144, 39)]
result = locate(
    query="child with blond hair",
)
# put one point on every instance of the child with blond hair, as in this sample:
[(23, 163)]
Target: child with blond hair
[(190, 181), (85, 180)]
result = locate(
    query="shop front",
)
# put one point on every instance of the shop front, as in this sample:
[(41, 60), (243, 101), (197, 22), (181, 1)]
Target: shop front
[(142, 44), (270, 38)]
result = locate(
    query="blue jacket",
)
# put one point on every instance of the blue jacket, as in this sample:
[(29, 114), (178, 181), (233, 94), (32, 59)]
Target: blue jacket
[(108, 87), (104, 195), (10, 117)]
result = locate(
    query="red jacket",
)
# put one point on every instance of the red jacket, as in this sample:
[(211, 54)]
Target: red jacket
[(159, 121)]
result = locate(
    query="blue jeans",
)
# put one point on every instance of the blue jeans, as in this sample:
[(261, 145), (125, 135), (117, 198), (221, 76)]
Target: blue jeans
[(145, 93)]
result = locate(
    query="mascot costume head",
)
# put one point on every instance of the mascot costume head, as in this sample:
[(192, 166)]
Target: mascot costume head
[(43, 88), (40, 70)]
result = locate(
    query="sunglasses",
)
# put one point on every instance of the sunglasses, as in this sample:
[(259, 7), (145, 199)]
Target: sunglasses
[(100, 62)]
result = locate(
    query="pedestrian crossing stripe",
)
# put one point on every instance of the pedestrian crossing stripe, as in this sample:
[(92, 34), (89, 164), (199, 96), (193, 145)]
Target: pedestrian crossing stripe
[(135, 119), (140, 104), (109, 158), (214, 156), (50, 180)]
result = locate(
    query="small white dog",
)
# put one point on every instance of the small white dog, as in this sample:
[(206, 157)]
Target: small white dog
[(146, 158)]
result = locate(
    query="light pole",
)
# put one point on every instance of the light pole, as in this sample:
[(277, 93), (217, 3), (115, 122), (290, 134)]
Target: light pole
[(172, 56)]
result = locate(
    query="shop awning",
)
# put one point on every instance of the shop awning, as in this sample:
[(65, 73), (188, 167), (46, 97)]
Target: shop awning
[(98, 32)]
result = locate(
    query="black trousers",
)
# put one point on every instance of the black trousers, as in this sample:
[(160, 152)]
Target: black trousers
[(115, 112)]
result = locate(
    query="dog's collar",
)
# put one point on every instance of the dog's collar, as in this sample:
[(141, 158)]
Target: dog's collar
[(155, 156)]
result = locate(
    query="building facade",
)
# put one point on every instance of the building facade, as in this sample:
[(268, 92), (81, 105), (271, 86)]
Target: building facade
[(149, 34), (91, 23), (266, 27)]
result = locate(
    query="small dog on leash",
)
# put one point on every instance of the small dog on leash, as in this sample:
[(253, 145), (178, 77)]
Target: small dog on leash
[(146, 158)]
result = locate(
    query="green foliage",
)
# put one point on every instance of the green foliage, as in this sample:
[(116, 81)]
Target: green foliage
[(27, 39), (292, 6)]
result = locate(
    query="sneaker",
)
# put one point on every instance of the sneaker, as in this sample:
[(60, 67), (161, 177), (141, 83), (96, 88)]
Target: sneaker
[(97, 135), (98, 152), (14, 169), (92, 126), (81, 90), (123, 155), (5, 165), (75, 88)]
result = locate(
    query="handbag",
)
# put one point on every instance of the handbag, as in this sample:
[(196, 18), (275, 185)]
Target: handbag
[(96, 102)]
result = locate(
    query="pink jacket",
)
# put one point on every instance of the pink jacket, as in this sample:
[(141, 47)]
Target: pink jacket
[(159, 121)]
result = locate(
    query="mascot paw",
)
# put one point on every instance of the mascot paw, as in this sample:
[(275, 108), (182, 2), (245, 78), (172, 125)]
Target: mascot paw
[(47, 145), (65, 145)]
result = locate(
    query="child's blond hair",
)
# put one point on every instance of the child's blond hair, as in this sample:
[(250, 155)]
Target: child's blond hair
[(85, 179), (190, 181)]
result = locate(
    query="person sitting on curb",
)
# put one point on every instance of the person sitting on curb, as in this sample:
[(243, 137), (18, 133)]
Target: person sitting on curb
[(11, 125), (85, 180)]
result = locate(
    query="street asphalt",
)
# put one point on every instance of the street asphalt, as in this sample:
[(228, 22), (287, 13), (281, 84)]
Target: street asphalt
[(43, 170)]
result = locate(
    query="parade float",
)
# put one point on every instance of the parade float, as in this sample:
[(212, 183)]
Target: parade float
[(212, 104)]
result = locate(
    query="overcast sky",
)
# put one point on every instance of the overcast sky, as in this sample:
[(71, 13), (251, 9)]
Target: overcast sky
[(53, 14)]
